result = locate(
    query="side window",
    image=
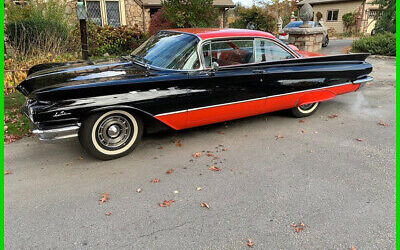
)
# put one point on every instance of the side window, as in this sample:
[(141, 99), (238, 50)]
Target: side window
[(206, 50), (227, 53), (267, 51)]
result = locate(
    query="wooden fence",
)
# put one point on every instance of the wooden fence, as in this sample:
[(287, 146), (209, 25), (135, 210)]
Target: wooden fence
[(12, 78)]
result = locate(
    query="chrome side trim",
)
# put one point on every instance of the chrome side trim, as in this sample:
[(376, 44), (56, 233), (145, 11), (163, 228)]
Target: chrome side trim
[(364, 80), (249, 100), (57, 133)]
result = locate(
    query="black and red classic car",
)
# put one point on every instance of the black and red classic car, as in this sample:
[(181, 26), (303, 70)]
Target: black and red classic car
[(180, 79)]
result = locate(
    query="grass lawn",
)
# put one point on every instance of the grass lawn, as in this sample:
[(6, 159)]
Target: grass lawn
[(16, 124)]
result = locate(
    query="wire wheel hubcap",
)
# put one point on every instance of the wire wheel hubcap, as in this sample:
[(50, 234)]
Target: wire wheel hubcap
[(114, 131)]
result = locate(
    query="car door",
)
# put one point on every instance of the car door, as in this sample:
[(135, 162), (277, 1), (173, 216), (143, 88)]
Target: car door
[(228, 91), (287, 82)]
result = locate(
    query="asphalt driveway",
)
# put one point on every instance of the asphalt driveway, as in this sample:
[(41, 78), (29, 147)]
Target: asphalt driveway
[(336, 175)]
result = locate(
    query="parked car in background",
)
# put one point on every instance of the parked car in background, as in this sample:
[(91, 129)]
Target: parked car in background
[(284, 36), (180, 79)]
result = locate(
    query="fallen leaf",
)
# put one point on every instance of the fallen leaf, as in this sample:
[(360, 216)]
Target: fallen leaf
[(203, 204), (213, 168), (155, 180), (178, 143), (80, 158), (198, 154), (105, 198), (298, 229), (333, 116), (221, 132), (198, 188), (279, 136), (381, 123), (5, 128), (250, 243), (139, 190), (108, 213), (160, 147), (353, 248), (359, 139), (301, 121), (166, 203), (303, 131), (6, 172), (210, 155), (169, 171), (224, 149)]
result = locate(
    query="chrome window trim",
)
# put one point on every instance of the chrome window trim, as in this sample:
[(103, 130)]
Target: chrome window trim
[(226, 39)]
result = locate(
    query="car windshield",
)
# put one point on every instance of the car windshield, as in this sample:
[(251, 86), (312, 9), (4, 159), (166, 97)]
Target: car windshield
[(297, 24), (169, 50)]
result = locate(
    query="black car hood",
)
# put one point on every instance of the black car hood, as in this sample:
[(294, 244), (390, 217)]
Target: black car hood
[(46, 77)]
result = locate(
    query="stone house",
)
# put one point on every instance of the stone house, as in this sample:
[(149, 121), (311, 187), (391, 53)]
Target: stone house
[(133, 12), (333, 10)]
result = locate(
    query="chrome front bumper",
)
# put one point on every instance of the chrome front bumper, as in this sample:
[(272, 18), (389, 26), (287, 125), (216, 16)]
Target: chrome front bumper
[(57, 133)]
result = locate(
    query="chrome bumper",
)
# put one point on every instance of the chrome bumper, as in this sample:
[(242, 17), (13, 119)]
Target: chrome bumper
[(57, 133), (363, 81)]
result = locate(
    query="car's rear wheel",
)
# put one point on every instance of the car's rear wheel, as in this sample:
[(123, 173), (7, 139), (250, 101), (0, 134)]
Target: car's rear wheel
[(111, 134), (325, 41), (305, 110)]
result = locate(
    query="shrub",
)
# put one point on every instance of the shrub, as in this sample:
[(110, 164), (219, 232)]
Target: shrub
[(191, 13), (107, 39), (380, 44), (349, 20), (386, 18), (38, 27), (159, 22), (254, 18)]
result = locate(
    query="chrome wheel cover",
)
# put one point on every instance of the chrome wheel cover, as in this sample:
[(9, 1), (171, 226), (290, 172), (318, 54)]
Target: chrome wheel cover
[(114, 132)]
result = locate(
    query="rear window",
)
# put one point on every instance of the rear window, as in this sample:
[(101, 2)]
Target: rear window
[(297, 24)]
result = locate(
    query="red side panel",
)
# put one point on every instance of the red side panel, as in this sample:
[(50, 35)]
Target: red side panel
[(225, 112)]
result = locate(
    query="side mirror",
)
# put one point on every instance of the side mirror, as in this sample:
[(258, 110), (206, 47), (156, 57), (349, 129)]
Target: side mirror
[(215, 66)]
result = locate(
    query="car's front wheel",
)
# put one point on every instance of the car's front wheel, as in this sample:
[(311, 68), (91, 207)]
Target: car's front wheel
[(305, 110), (111, 134)]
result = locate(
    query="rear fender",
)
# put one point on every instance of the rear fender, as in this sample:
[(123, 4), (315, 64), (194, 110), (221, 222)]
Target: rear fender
[(315, 96)]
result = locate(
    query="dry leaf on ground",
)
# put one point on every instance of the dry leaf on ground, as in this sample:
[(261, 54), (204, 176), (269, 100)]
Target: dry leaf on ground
[(198, 154), (139, 190), (221, 132), (359, 139), (250, 243), (198, 188), (203, 204), (105, 197), (381, 123), (301, 121), (108, 213), (224, 149), (169, 171), (279, 136), (214, 168), (166, 203), (6, 172), (178, 143), (333, 116), (155, 180)]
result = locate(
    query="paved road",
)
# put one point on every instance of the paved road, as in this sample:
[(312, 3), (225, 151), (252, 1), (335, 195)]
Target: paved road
[(342, 189), (337, 46)]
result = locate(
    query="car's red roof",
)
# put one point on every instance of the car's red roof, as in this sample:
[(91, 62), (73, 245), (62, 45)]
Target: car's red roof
[(206, 33)]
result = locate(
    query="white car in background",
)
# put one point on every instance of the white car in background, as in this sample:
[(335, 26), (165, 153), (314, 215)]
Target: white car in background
[(284, 37)]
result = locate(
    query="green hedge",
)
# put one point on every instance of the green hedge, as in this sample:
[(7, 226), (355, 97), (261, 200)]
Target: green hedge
[(114, 41), (379, 44)]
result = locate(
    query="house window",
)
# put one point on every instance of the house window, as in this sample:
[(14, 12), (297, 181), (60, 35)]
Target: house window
[(106, 12), (332, 15)]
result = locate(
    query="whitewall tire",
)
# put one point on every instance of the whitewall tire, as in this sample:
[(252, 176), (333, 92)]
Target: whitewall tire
[(111, 134), (305, 110)]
